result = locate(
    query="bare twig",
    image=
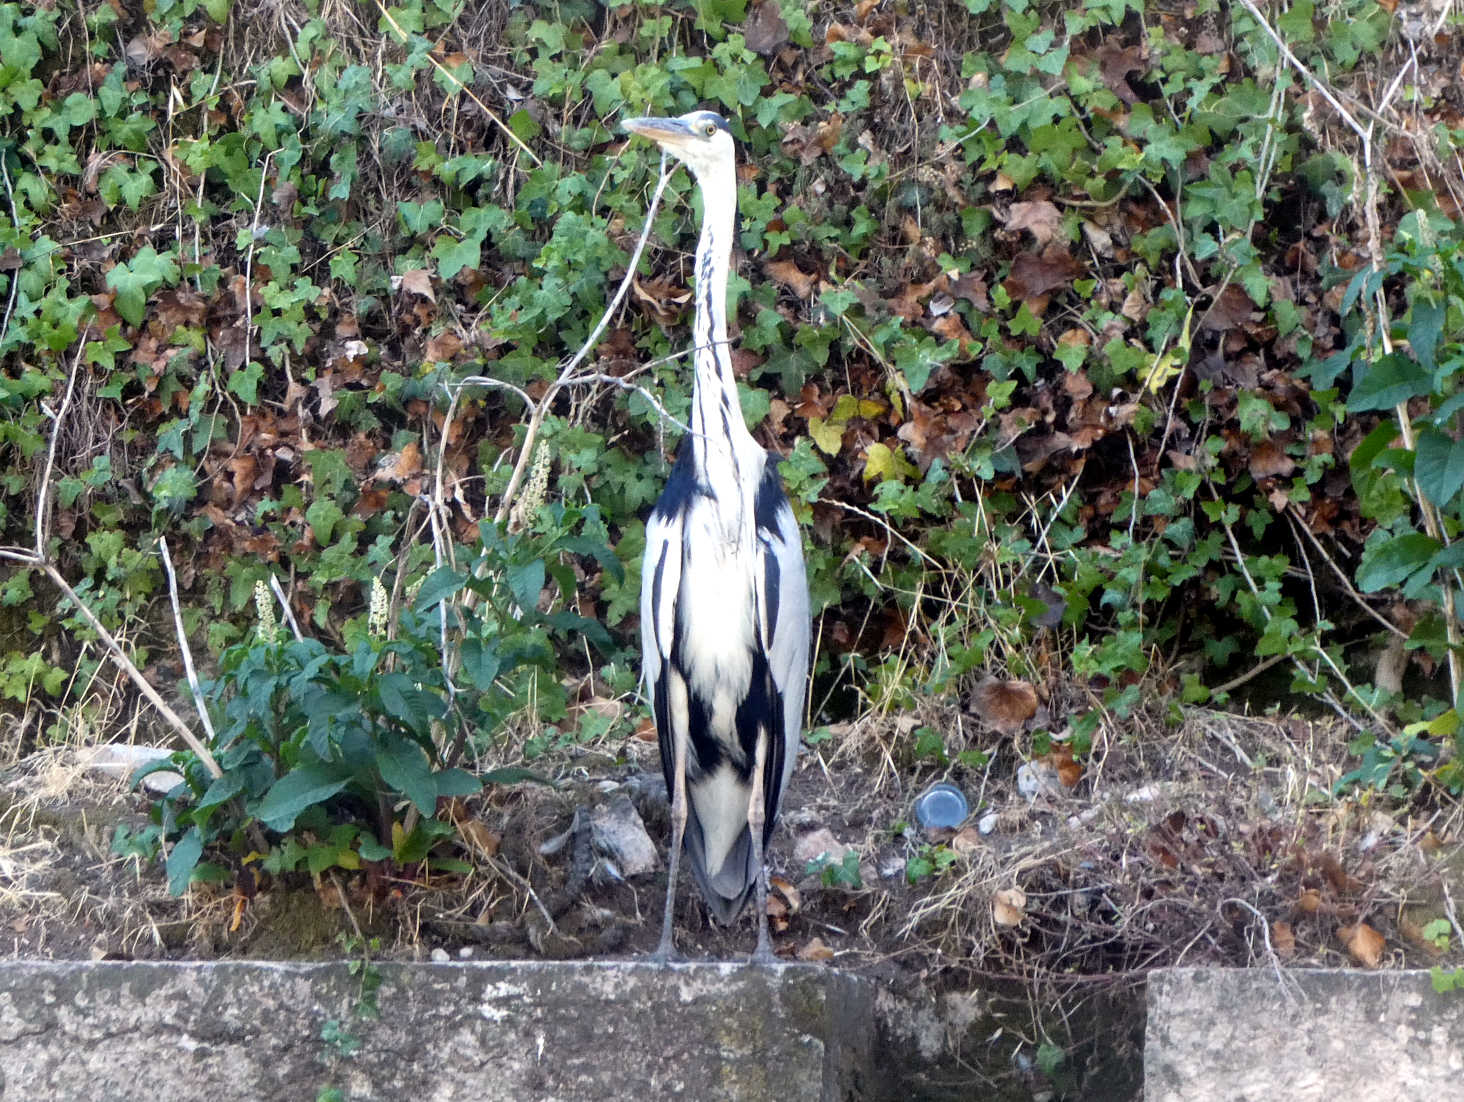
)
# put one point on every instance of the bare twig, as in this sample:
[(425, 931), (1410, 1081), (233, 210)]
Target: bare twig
[(187, 652), (289, 613), (14, 276), (43, 494)]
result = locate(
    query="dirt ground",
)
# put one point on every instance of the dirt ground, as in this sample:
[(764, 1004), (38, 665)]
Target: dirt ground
[(1223, 849)]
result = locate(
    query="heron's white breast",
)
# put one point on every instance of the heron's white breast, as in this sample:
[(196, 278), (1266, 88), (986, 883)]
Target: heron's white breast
[(718, 606)]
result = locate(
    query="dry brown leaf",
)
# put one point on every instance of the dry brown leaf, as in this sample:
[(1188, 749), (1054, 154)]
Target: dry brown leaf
[(1009, 906), (1039, 218), (1069, 772), (765, 32), (788, 891), (419, 282), (1268, 459), (1414, 933), (444, 347), (967, 841), (1310, 901), (815, 951), (478, 837), (1034, 275), (1364, 943), (1005, 705), (1283, 939), (1232, 308), (402, 465), (790, 275)]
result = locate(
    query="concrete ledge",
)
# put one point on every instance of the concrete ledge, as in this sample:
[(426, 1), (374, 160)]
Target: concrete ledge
[(474, 1031), (1338, 1034)]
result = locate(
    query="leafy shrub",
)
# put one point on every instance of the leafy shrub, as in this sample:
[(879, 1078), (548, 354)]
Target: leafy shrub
[(321, 749)]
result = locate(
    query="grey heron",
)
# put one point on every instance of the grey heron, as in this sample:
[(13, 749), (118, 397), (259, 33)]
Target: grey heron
[(724, 596)]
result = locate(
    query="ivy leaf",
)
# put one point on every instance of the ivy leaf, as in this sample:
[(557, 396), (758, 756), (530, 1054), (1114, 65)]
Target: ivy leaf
[(138, 278), (883, 462), (828, 435), (453, 255), (1439, 467), (244, 383), (323, 516)]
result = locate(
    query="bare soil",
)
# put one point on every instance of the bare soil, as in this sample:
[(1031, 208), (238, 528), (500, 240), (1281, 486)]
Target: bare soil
[(1192, 855)]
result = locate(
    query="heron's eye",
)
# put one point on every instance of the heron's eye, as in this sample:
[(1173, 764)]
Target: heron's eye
[(709, 129)]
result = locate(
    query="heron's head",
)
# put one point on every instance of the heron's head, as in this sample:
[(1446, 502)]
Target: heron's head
[(701, 139)]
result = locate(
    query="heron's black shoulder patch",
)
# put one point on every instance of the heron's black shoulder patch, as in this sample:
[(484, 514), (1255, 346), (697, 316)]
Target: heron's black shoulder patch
[(681, 487), (771, 499)]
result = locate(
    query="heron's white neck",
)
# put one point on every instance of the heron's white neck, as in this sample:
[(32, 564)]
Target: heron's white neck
[(716, 411)]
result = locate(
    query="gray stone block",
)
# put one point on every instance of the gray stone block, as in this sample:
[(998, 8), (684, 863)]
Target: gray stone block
[(211, 1032), (1341, 1035)]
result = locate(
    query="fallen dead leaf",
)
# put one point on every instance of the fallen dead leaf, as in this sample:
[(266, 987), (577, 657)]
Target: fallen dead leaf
[(765, 31), (1283, 939), (1069, 772), (1005, 705), (815, 951), (966, 841), (1364, 943), (419, 282), (791, 276), (1039, 218), (788, 891), (1009, 906)]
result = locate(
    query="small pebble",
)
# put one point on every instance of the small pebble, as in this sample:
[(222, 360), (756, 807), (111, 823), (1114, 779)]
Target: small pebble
[(987, 823), (440, 956), (465, 953)]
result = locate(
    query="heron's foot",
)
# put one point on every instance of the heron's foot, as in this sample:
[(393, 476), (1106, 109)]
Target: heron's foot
[(666, 953), (763, 955)]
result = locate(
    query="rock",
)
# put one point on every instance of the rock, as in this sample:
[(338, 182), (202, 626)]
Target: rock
[(121, 760), (440, 955), (816, 844), (1038, 778), (618, 835), (987, 823)]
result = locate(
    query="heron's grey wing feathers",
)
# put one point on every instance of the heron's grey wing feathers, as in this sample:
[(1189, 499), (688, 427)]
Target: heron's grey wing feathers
[(787, 627), (660, 580)]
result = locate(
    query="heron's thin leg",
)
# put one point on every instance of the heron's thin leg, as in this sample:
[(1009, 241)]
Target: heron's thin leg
[(666, 950), (756, 819)]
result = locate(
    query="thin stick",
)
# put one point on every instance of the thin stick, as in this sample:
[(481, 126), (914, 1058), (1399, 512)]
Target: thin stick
[(130, 669), (43, 495), (188, 669), (289, 614)]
